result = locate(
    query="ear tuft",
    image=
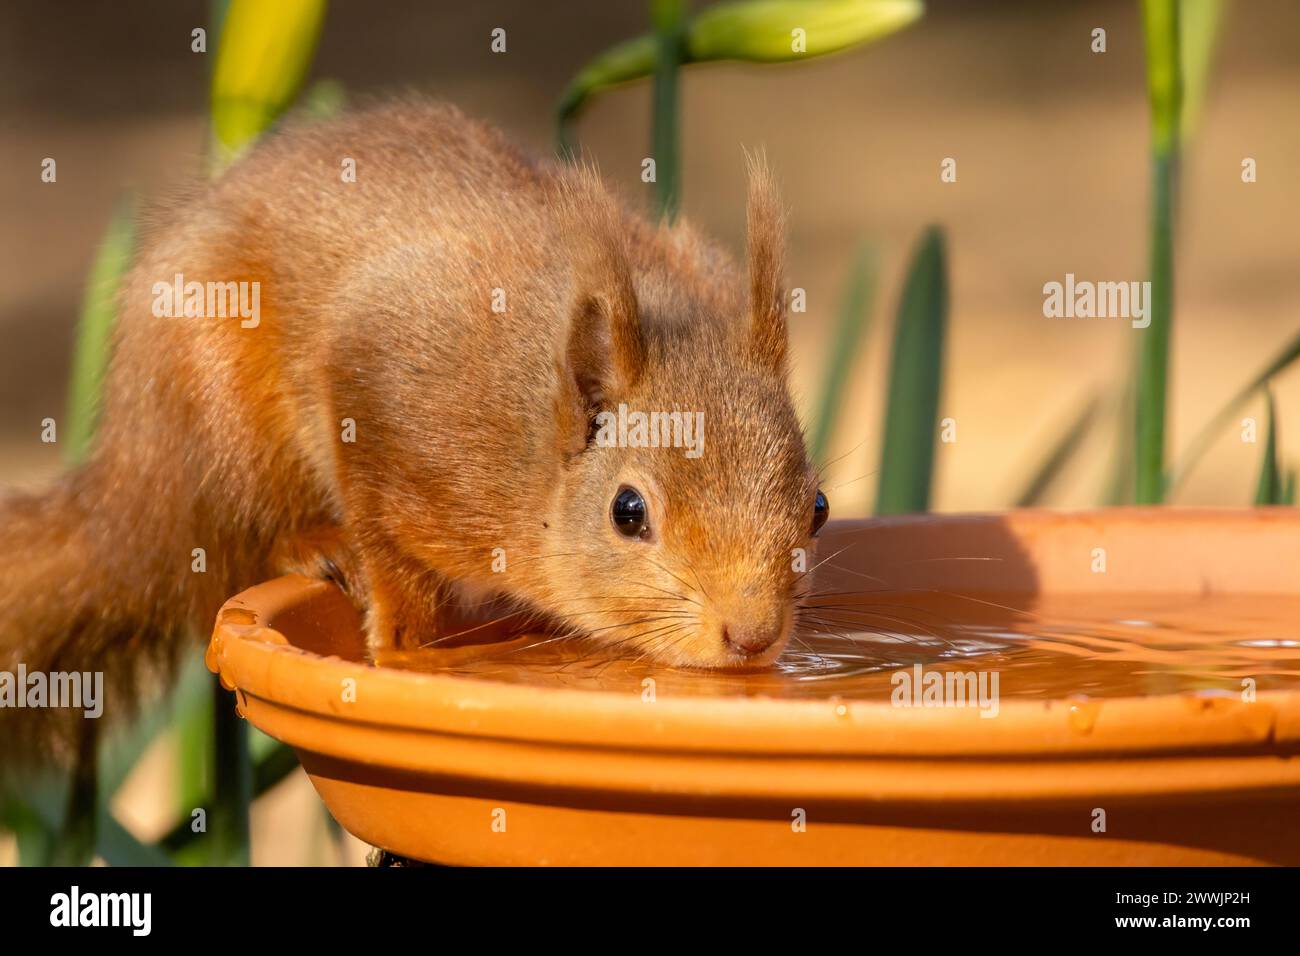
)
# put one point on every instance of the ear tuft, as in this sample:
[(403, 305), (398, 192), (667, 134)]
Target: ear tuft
[(604, 352), (765, 253)]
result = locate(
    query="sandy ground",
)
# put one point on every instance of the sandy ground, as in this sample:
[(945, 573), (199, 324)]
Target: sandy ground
[(1050, 141)]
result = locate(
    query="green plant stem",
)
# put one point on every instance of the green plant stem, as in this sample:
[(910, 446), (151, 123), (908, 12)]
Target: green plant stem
[(272, 768), (76, 842), (192, 719), (1153, 368), (1164, 89), (232, 781), (669, 22), (623, 63)]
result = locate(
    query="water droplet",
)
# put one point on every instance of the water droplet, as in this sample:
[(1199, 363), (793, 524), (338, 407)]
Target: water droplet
[(1083, 715)]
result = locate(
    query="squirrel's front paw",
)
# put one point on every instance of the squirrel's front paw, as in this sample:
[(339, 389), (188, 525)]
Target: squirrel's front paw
[(402, 617), (320, 552)]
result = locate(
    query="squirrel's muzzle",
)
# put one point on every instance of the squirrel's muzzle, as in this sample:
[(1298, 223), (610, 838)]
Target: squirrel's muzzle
[(750, 639)]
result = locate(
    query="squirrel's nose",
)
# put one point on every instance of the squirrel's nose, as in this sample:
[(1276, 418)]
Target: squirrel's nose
[(750, 639)]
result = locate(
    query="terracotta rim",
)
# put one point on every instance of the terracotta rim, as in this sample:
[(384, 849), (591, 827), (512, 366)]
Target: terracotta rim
[(255, 658)]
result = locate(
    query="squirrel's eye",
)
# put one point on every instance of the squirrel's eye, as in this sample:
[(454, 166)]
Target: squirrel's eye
[(821, 511), (628, 513)]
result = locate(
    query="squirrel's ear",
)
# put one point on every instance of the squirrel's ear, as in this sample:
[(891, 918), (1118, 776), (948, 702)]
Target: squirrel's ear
[(604, 354), (765, 253)]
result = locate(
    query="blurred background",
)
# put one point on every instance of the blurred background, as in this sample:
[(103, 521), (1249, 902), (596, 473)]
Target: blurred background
[(1052, 145), (1051, 142)]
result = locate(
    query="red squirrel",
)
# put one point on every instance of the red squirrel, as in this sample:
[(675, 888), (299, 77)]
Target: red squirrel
[(412, 405)]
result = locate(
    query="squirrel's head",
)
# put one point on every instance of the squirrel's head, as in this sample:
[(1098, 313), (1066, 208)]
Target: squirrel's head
[(685, 503)]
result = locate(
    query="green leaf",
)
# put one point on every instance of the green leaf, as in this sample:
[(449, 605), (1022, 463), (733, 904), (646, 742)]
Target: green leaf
[(1203, 439), (1269, 489), (850, 330), (1059, 455), (119, 753), (915, 379), (95, 329), (35, 832), (119, 847)]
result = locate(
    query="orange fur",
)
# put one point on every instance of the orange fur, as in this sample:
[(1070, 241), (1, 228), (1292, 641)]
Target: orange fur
[(471, 426)]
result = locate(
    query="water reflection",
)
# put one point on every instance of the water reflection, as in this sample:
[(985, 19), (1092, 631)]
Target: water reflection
[(1095, 646)]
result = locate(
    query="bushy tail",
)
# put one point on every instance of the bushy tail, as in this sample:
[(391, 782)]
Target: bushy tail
[(78, 595)]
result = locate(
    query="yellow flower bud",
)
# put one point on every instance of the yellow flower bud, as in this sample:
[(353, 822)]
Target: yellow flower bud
[(263, 55)]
